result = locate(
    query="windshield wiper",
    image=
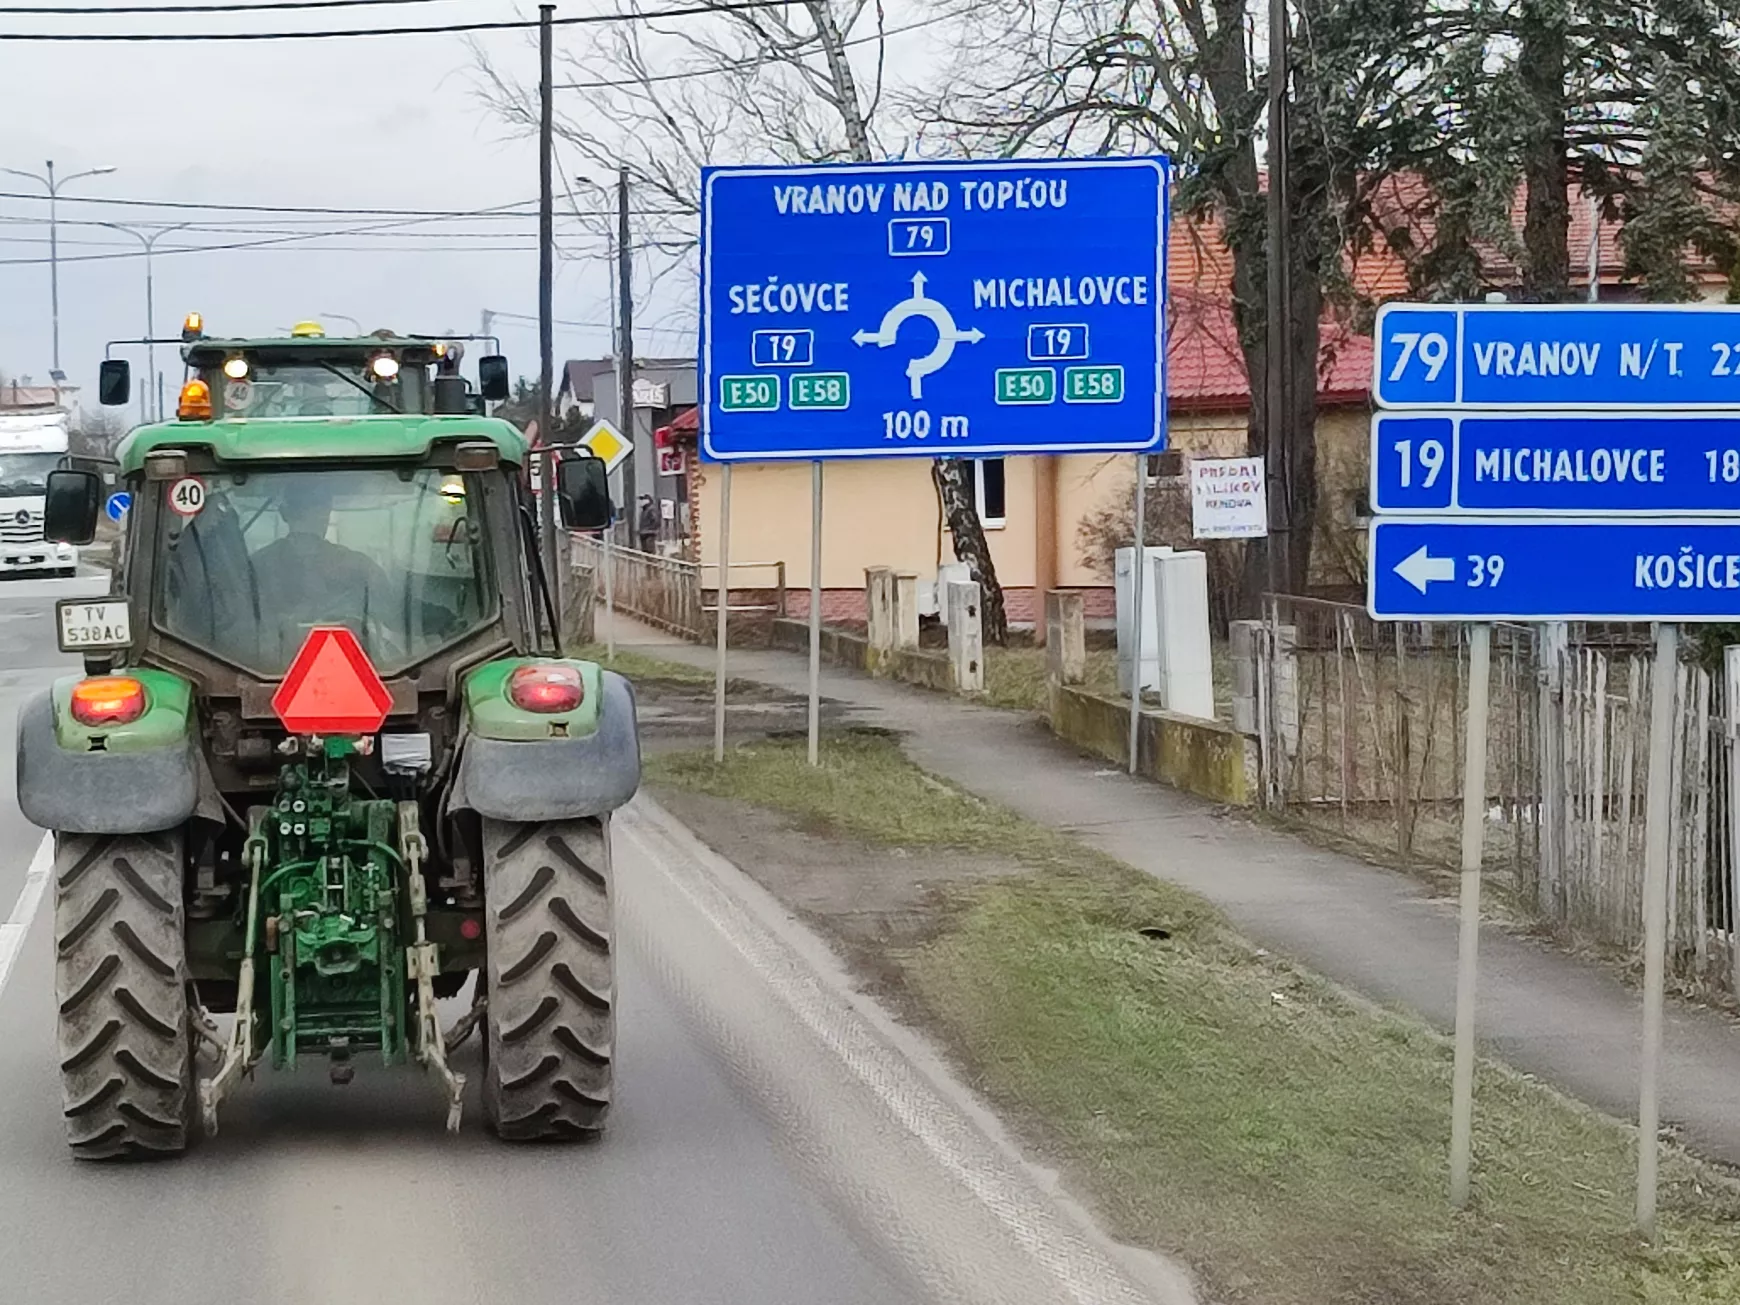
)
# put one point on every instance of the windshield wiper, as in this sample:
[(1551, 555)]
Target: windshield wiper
[(356, 384)]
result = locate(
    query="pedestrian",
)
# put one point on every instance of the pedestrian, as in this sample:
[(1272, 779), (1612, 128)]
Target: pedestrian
[(647, 524)]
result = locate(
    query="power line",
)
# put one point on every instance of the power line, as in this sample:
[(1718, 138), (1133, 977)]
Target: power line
[(280, 208), (499, 211), (691, 11), (64, 11), (202, 228)]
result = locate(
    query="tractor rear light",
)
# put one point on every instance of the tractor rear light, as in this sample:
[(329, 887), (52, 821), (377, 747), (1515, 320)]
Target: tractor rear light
[(546, 688), (195, 402), (108, 700), (471, 928)]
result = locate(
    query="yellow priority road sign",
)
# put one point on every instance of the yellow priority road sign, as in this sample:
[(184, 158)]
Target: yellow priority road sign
[(608, 443)]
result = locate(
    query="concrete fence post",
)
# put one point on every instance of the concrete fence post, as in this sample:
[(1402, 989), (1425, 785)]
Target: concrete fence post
[(905, 610), (1244, 639), (966, 636), (879, 608), (1065, 637)]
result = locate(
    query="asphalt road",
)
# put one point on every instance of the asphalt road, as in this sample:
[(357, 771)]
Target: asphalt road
[(771, 1144)]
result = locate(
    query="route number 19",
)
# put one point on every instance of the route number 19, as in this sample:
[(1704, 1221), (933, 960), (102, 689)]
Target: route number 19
[(1431, 462)]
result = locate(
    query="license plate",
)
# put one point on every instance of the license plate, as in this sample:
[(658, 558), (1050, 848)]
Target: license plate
[(86, 623)]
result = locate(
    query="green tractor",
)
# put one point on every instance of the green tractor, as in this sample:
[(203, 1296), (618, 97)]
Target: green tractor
[(326, 764)]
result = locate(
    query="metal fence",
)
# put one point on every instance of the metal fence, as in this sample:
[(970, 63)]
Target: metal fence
[(1361, 725), (672, 593), (662, 591)]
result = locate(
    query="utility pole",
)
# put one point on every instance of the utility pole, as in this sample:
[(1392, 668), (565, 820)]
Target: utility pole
[(546, 310), (1278, 446), (625, 352), (48, 181), (148, 410)]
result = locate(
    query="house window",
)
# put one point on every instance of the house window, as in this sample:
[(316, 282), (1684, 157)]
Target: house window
[(989, 492)]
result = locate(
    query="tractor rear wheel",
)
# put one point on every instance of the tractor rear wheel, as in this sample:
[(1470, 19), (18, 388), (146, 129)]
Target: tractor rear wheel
[(551, 1027), (120, 972)]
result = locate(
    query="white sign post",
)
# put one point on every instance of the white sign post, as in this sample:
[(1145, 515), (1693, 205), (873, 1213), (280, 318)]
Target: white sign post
[(1468, 927), (1228, 498)]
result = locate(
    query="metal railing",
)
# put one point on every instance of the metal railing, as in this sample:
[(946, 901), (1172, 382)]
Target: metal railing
[(662, 591), (670, 592), (747, 596)]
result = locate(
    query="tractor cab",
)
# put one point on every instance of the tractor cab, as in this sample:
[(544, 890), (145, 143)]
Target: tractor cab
[(309, 374)]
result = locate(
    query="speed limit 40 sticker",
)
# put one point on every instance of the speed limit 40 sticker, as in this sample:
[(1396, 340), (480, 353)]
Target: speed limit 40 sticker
[(187, 496)]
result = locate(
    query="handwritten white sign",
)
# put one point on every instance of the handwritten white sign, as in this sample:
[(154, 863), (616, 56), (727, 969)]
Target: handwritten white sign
[(1228, 499)]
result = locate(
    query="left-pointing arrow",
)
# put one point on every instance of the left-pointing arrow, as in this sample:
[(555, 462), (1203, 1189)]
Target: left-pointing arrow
[(1419, 568)]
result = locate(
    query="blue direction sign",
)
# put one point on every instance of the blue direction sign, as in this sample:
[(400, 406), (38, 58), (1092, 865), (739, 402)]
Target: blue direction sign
[(115, 507), (936, 310), (1608, 464), (1562, 356), (1587, 570)]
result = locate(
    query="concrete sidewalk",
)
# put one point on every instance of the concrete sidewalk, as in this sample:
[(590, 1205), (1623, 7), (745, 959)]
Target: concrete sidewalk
[(1549, 1014)]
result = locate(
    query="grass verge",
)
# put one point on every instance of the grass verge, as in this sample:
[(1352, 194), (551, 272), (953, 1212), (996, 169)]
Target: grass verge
[(638, 666), (1287, 1142)]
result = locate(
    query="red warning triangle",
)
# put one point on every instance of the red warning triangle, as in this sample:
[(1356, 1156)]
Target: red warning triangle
[(332, 687)]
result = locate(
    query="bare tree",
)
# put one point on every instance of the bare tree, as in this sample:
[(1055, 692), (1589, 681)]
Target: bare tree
[(97, 433), (804, 82), (1184, 77)]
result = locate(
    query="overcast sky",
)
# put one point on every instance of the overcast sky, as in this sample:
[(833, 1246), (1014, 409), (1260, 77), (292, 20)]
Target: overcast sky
[(392, 122), (366, 123)]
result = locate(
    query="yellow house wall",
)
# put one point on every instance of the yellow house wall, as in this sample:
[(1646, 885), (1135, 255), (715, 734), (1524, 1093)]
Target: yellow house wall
[(1087, 483), (883, 511), (875, 512)]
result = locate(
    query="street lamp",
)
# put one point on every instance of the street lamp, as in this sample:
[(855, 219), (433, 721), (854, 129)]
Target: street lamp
[(149, 406), (50, 183)]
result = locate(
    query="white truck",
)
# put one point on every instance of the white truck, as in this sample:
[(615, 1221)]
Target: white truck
[(32, 444)]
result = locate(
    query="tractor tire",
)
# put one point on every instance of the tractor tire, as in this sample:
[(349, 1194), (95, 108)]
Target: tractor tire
[(551, 1024), (120, 980)]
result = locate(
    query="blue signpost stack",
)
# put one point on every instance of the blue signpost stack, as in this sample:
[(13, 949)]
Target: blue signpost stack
[(1562, 463), (1559, 463)]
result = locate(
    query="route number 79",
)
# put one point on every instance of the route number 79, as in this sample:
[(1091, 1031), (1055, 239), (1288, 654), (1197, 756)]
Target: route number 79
[(1433, 348)]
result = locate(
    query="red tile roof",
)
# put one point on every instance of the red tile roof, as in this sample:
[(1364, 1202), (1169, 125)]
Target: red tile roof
[(1206, 369)]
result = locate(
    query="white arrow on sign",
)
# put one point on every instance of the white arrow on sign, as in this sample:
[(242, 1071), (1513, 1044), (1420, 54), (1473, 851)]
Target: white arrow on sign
[(947, 334), (1419, 568)]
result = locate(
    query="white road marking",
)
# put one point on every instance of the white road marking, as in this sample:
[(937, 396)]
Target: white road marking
[(24, 910)]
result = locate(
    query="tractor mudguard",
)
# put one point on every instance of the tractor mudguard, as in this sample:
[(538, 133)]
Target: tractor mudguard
[(555, 778), (101, 791)]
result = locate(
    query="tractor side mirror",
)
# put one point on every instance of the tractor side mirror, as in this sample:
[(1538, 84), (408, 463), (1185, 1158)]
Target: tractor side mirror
[(492, 377), (70, 506), (583, 493), (114, 382)]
